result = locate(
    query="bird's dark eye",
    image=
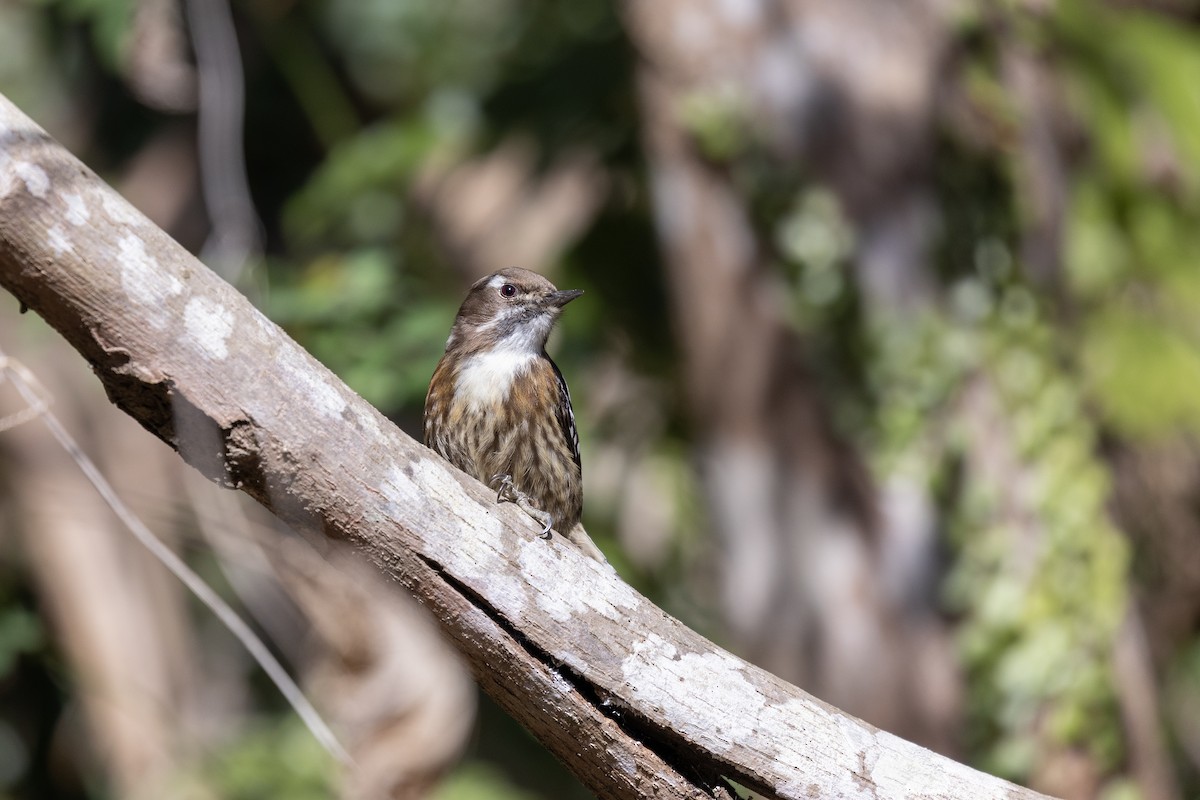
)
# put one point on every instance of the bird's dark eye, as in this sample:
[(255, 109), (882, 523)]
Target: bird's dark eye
[(508, 290)]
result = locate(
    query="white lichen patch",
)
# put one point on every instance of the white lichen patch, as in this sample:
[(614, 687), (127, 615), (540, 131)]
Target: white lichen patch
[(312, 383), (144, 281), (15, 173), (58, 240), (369, 425), (855, 737), (853, 760), (901, 768), (704, 694), (588, 591), (792, 723), (424, 481), (711, 698), (469, 551), (268, 329), (209, 326), (77, 212), (794, 726), (118, 209), (504, 593), (406, 489), (36, 181)]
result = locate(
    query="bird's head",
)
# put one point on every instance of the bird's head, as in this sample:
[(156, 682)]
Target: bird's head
[(513, 309)]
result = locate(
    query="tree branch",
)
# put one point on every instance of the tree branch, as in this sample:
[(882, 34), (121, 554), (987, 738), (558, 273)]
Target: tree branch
[(634, 702)]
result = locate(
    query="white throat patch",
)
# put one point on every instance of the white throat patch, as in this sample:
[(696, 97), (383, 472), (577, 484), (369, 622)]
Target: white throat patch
[(485, 378)]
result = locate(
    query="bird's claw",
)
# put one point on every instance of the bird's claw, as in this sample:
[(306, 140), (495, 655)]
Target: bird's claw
[(507, 490), (510, 493)]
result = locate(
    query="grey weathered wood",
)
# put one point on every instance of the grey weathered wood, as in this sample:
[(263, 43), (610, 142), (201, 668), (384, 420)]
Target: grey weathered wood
[(633, 701)]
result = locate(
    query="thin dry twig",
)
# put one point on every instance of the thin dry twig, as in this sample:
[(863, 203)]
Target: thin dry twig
[(235, 236)]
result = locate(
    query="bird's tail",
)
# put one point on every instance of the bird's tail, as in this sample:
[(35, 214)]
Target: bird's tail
[(579, 537)]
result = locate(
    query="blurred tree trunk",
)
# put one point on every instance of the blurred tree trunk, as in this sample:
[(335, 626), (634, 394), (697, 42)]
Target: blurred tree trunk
[(119, 617), (1156, 487), (390, 680), (819, 567)]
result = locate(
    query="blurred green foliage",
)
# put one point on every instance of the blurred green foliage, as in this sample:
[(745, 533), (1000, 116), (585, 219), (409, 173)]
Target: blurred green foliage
[(352, 100), (1040, 576), (108, 21), (20, 632), (1039, 573), (476, 781), (1132, 242), (383, 335), (272, 757)]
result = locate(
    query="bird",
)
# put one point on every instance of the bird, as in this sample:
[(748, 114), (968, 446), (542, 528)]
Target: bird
[(498, 407)]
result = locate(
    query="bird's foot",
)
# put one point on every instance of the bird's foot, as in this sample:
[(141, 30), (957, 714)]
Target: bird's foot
[(507, 489), (508, 492)]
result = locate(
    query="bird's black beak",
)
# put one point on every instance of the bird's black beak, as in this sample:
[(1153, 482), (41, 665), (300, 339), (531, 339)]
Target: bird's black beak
[(561, 298)]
